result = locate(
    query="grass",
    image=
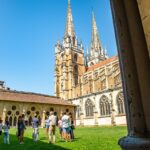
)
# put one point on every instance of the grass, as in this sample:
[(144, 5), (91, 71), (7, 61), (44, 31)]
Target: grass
[(86, 138)]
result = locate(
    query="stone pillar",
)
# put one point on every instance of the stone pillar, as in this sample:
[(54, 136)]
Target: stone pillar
[(43, 119), (81, 119), (135, 64), (4, 114), (113, 122)]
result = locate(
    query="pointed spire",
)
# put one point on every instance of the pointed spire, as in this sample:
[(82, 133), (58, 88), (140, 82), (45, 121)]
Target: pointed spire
[(69, 23), (95, 45)]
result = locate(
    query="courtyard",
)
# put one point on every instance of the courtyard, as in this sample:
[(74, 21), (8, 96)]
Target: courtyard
[(86, 138)]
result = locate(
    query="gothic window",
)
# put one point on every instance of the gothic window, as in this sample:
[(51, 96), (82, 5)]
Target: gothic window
[(104, 106), (89, 108), (75, 57), (75, 75), (120, 103)]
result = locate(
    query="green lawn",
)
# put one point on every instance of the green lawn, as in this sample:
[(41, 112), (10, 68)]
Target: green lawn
[(86, 138)]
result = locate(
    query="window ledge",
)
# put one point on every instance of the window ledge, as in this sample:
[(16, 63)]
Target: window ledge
[(89, 117), (104, 116)]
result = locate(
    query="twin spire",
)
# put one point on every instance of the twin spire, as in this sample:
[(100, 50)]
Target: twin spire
[(95, 43), (95, 49), (70, 28), (69, 23)]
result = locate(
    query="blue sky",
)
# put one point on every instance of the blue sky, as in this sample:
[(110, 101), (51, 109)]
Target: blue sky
[(29, 30)]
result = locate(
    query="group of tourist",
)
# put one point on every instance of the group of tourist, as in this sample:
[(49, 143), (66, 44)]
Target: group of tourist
[(65, 124)]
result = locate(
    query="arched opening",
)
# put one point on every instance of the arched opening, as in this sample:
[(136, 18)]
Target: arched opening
[(30, 121), (120, 103), (104, 106), (89, 108), (10, 121), (15, 121)]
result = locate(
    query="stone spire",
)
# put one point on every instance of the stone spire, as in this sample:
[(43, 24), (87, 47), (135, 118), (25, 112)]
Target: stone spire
[(95, 43), (96, 52), (69, 23)]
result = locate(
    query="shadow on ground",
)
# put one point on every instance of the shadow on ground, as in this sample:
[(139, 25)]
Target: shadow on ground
[(28, 144)]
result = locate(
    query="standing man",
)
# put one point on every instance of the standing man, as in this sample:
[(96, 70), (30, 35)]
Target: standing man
[(66, 125), (35, 125), (52, 128)]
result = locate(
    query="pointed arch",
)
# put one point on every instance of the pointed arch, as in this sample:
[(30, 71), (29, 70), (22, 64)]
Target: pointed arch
[(10, 121), (30, 120), (120, 103), (105, 109), (89, 108), (15, 121)]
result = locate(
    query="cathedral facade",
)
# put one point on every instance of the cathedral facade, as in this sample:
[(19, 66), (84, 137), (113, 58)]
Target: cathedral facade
[(91, 81)]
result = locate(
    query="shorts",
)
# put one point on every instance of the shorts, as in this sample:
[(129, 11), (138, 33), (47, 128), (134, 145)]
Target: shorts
[(46, 126), (66, 130)]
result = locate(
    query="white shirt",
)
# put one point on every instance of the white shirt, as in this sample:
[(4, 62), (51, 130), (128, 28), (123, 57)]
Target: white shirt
[(6, 128), (65, 121), (52, 120)]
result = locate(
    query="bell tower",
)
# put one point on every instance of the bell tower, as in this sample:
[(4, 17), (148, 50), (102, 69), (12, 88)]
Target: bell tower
[(69, 60)]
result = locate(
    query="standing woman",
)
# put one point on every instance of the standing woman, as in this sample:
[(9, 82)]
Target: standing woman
[(71, 126), (47, 124), (21, 128)]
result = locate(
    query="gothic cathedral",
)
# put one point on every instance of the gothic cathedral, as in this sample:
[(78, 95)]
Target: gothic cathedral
[(91, 81)]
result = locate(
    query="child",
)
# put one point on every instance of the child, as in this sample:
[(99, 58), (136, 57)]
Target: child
[(1, 127), (6, 128), (60, 127)]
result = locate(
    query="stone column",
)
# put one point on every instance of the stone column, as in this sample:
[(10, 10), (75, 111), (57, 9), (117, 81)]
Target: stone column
[(135, 70), (95, 112), (113, 122), (43, 119), (4, 114)]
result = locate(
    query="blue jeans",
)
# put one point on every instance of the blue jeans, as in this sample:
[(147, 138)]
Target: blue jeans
[(6, 138), (35, 134)]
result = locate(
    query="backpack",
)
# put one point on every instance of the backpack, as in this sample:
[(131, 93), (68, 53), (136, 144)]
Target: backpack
[(53, 120)]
